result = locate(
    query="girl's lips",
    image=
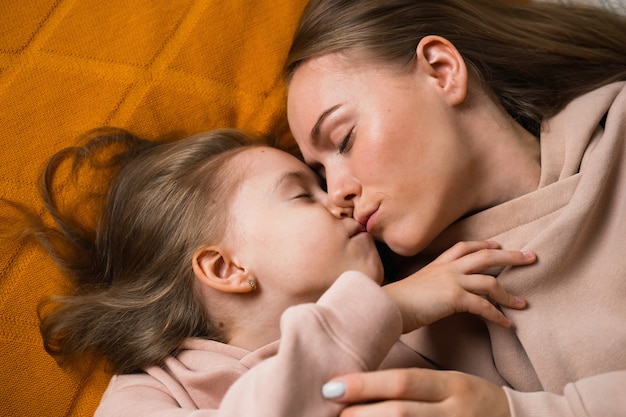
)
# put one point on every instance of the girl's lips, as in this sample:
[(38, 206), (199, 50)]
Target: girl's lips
[(370, 222), (358, 230)]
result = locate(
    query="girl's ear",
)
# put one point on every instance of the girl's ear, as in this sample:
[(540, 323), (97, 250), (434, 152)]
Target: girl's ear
[(442, 63), (218, 271)]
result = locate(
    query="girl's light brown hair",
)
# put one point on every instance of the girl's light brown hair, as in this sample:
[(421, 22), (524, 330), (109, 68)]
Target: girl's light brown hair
[(534, 56), (135, 299)]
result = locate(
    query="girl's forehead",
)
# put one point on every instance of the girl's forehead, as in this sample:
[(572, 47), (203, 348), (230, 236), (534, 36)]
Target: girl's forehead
[(262, 175), (261, 164), (265, 157)]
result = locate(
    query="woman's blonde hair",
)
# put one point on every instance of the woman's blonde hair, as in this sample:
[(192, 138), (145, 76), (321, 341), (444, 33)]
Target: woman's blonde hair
[(534, 56), (135, 300)]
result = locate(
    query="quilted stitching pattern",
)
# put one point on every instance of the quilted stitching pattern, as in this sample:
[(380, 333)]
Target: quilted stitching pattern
[(163, 69)]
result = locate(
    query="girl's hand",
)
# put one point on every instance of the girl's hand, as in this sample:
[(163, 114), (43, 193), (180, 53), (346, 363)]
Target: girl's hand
[(453, 283)]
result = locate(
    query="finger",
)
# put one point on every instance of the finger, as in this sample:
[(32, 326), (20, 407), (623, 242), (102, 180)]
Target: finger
[(480, 306), (464, 395), (484, 259), (415, 384), (489, 286), (395, 408), (461, 249)]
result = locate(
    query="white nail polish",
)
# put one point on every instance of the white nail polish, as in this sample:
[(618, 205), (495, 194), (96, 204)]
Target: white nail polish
[(334, 389)]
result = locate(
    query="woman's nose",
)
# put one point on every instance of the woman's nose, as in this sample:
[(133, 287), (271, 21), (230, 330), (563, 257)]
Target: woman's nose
[(342, 190)]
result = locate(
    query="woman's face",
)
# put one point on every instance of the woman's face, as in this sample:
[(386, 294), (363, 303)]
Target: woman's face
[(386, 142), (281, 229)]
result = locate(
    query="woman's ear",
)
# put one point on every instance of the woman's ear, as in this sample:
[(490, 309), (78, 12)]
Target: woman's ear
[(442, 63), (215, 269)]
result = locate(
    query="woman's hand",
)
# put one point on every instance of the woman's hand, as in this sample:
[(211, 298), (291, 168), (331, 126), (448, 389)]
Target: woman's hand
[(418, 392), (453, 283)]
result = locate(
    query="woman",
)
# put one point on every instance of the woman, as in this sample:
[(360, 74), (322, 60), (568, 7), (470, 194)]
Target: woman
[(440, 121)]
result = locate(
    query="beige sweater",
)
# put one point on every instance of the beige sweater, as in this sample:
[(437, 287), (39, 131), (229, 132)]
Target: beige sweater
[(567, 355)]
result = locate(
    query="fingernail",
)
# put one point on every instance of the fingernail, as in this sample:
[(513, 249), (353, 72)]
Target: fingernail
[(529, 255), (333, 389)]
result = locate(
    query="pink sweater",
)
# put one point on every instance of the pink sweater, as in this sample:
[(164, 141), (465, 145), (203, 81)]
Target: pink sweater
[(353, 327), (567, 356)]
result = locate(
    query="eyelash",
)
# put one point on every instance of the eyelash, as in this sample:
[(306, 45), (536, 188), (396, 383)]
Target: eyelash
[(344, 144)]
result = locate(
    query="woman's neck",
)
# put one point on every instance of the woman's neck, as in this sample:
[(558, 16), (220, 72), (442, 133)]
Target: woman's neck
[(506, 158)]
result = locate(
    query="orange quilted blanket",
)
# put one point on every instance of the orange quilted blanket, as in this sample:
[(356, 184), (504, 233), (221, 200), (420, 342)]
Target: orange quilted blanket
[(162, 69)]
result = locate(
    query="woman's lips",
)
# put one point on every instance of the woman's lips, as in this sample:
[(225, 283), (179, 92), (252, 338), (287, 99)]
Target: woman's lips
[(368, 220)]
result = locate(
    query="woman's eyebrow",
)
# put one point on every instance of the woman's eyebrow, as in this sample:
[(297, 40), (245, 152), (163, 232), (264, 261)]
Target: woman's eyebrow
[(315, 131)]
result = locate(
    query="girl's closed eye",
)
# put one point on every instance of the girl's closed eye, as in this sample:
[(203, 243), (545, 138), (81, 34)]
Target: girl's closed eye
[(303, 192)]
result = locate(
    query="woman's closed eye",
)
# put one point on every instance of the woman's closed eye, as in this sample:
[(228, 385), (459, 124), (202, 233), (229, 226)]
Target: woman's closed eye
[(345, 143)]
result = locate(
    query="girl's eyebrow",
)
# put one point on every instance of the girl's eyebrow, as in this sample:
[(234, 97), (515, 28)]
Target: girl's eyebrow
[(287, 177)]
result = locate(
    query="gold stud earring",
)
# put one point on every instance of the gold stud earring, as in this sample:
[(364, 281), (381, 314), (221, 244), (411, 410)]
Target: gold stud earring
[(252, 283)]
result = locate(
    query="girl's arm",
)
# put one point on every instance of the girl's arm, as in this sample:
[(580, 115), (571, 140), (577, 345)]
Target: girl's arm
[(353, 326), (455, 282), (350, 329)]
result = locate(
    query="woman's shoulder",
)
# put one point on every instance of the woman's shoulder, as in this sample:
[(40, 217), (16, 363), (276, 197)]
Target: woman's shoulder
[(589, 109)]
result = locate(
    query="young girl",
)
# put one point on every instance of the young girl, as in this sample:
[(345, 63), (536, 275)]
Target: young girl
[(218, 280)]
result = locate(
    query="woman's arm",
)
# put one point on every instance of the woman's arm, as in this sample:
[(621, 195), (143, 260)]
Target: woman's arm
[(420, 392), (602, 395)]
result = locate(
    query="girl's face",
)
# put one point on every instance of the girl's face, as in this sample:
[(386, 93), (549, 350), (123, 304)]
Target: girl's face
[(281, 229), (386, 142)]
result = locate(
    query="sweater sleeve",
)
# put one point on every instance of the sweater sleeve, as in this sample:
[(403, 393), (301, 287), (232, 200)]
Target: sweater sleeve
[(351, 328), (601, 395)]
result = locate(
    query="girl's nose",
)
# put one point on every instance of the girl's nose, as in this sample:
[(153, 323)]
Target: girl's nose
[(340, 212)]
